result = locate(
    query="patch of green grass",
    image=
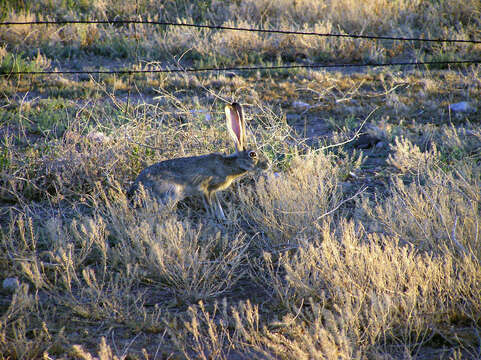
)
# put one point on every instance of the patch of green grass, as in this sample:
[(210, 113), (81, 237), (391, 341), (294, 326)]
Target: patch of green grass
[(18, 63), (4, 159), (48, 117), (444, 56), (116, 47), (349, 123), (6, 6)]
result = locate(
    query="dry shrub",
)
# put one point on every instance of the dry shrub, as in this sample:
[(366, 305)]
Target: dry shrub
[(355, 16), (240, 332), (66, 168), (408, 158), (377, 17), (292, 338), (335, 47), (459, 13), (77, 164), (440, 210), (460, 142), (52, 256), (26, 34), (243, 45), (74, 264), (349, 295), (78, 35), (190, 261), (285, 207), (104, 353), (23, 334), (443, 145), (379, 290), (206, 335), (263, 11), (25, 327), (178, 40), (347, 14), (194, 263), (370, 15), (238, 44)]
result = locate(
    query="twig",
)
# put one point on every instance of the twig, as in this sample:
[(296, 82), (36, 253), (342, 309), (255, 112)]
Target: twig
[(140, 144), (356, 135), (453, 237), (359, 192)]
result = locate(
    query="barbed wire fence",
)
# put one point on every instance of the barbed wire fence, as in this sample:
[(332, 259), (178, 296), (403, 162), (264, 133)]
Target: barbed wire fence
[(178, 68), (220, 27), (244, 68)]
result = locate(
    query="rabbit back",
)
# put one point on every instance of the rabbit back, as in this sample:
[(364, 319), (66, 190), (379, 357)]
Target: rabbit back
[(175, 179)]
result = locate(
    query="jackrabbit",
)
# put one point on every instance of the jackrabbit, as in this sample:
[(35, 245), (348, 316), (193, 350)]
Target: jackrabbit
[(172, 180)]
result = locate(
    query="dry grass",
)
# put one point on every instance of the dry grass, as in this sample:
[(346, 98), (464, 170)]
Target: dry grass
[(344, 252), (347, 296), (446, 19), (329, 288)]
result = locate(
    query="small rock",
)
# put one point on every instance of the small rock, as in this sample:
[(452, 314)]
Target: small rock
[(346, 186), (366, 141), (271, 176), (206, 114), (84, 77), (300, 105), (462, 106), (293, 117), (380, 144), (98, 137), (10, 284)]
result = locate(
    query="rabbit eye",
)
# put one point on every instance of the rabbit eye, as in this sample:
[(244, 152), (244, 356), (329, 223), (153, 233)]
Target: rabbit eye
[(252, 154)]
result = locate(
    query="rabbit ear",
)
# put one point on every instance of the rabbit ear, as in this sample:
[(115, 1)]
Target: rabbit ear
[(236, 125)]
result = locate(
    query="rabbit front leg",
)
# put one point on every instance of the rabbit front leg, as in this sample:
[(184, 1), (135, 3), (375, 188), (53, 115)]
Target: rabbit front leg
[(212, 205), (219, 211)]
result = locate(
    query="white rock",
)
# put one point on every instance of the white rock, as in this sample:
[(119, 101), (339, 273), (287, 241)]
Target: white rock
[(10, 284), (293, 117), (271, 177), (98, 137), (301, 105), (206, 114), (462, 106)]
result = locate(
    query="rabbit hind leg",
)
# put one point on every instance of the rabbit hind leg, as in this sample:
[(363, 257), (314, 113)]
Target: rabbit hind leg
[(170, 195)]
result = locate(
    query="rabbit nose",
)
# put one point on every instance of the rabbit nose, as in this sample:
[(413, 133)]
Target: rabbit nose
[(252, 154)]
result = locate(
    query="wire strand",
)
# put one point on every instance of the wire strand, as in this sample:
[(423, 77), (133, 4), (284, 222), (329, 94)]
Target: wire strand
[(232, 68), (219, 27)]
